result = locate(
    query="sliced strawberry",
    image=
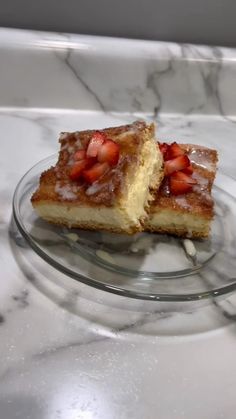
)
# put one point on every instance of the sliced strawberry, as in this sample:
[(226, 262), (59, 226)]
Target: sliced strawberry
[(163, 147), (109, 152), (179, 163), (183, 177), (177, 187), (79, 166), (80, 155), (95, 143), (77, 169), (96, 171), (188, 170), (174, 151)]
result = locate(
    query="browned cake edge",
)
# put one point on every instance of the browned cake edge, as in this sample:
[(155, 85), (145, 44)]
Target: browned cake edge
[(101, 227), (182, 231)]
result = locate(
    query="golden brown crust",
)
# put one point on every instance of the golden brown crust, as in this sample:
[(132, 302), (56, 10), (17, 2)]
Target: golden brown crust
[(112, 185)]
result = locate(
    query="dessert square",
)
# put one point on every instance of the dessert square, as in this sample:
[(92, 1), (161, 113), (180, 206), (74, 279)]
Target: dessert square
[(103, 179), (183, 205)]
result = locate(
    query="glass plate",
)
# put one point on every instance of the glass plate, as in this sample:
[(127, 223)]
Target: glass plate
[(147, 266)]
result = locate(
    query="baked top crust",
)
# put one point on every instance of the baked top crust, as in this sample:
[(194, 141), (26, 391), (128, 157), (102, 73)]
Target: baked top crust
[(56, 185)]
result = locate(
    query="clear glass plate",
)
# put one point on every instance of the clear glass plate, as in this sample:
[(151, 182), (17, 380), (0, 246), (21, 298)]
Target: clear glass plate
[(147, 266)]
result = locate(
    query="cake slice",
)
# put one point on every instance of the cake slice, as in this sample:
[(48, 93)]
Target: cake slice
[(103, 179), (183, 204)]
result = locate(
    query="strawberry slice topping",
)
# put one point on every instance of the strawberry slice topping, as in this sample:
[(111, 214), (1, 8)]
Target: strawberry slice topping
[(177, 168), (176, 164), (109, 152), (90, 164), (95, 143), (188, 170), (77, 169), (170, 151), (96, 171), (178, 187), (79, 166), (80, 155), (163, 148), (174, 150)]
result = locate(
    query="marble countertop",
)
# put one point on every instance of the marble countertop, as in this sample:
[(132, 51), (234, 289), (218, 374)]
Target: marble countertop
[(69, 351)]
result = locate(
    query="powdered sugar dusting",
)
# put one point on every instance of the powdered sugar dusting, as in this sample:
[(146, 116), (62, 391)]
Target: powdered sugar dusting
[(70, 149), (64, 146), (203, 192), (70, 161), (63, 136), (78, 144), (66, 192), (182, 202), (57, 172), (199, 158), (202, 181), (94, 188)]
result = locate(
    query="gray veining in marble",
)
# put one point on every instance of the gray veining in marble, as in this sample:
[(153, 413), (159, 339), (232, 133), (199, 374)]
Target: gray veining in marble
[(67, 350), (116, 75)]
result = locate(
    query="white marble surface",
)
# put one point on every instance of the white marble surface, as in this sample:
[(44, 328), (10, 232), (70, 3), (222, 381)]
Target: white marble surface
[(69, 351), (92, 73)]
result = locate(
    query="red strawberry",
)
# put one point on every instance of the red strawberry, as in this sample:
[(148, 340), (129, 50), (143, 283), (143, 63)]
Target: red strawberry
[(79, 166), (109, 152), (163, 147), (188, 170), (77, 169), (174, 151), (183, 177), (96, 171), (80, 155), (95, 143), (179, 163), (178, 187)]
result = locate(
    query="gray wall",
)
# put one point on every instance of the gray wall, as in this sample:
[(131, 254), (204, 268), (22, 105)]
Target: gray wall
[(197, 21)]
